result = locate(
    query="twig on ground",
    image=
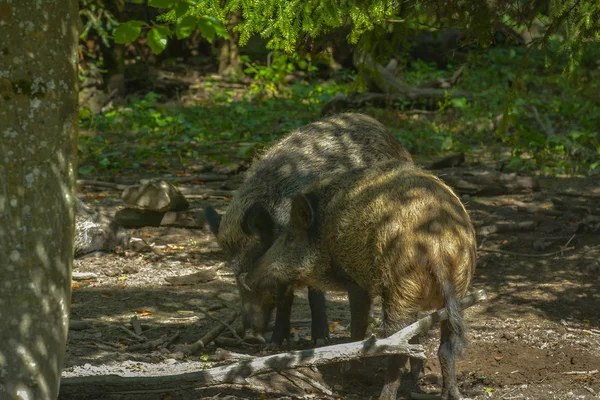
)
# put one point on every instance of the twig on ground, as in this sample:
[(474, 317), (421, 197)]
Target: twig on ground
[(207, 177), (307, 379), (153, 344), (568, 242), (592, 372), (424, 396), (512, 253), (507, 393), (132, 334), (230, 328), (170, 340), (211, 335), (79, 325)]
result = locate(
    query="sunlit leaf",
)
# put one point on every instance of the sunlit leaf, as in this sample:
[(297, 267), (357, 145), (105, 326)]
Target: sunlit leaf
[(206, 29), (181, 8), (157, 39), (128, 31), (221, 29)]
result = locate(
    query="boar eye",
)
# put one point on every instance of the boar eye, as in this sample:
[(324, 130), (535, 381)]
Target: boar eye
[(289, 238)]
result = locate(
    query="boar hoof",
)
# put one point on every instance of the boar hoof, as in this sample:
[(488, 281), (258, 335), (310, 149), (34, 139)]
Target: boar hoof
[(254, 339), (321, 341)]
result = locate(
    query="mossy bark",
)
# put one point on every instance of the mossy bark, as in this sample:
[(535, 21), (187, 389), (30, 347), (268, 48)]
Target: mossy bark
[(38, 148)]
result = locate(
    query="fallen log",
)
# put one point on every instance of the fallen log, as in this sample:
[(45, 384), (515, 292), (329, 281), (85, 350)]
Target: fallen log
[(451, 161), (507, 227), (238, 373), (489, 183)]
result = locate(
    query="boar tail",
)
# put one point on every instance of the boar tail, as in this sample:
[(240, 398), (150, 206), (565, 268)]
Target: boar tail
[(458, 339)]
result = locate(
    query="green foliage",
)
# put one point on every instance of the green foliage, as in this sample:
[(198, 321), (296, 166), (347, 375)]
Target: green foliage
[(145, 133), (581, 22), (185, 23), (269, 78), (550, 120), (96, 17), (128, 32), (97, 20)]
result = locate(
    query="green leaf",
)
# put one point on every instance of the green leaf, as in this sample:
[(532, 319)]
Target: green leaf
[(181, 8), (128, 31), (206, 29), (447, 143), (185, 26), (157, 39), (220, 29), (161, 3), (86, 169)]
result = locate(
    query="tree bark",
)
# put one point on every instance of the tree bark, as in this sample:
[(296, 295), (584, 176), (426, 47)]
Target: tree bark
[(229, 53), (38, 148)]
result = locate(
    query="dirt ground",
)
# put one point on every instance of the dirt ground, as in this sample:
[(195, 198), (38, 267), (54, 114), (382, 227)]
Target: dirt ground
[(536, 337)]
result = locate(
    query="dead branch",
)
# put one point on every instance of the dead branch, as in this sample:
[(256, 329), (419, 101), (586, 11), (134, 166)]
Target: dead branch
[(594, 193), (445, 83), (110, 185), (595, 371), (230, 328), (489, 183), (211, 335), (512, 253), (393, 90), (78, 325), (453, 160), (132, 334), (206, 177), (548, 131), (307, 379), (532, 208), (201, 192), (507, 227), (388, 83), (162, 341), (238, 373)]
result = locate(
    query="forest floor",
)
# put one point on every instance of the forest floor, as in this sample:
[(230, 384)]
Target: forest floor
[(536, 337)]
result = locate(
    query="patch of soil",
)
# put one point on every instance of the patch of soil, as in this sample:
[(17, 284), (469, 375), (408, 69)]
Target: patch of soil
[(536, 337)]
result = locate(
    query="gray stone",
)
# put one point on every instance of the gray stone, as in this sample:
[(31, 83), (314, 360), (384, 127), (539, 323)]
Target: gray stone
[(157, 195)]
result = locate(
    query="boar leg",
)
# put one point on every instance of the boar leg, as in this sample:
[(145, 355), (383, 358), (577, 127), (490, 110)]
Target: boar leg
[(360, 307), (416, 364), (396, 364), (318, 311), (447, 358), (281, 330), (396, 367)]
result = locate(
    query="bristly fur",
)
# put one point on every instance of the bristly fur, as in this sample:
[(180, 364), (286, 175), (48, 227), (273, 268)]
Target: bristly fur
[(390, 230), (306, 155)]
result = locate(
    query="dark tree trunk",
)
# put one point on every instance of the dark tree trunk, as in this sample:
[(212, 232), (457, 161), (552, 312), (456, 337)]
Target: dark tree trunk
[(229, 54)]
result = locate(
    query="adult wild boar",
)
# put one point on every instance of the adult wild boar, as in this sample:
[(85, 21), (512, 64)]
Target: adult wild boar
[(389, 230), (306, 155)]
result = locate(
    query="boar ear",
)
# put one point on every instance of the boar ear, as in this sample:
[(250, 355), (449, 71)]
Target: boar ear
[(213, 218), (257, 221), (302, 215)]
